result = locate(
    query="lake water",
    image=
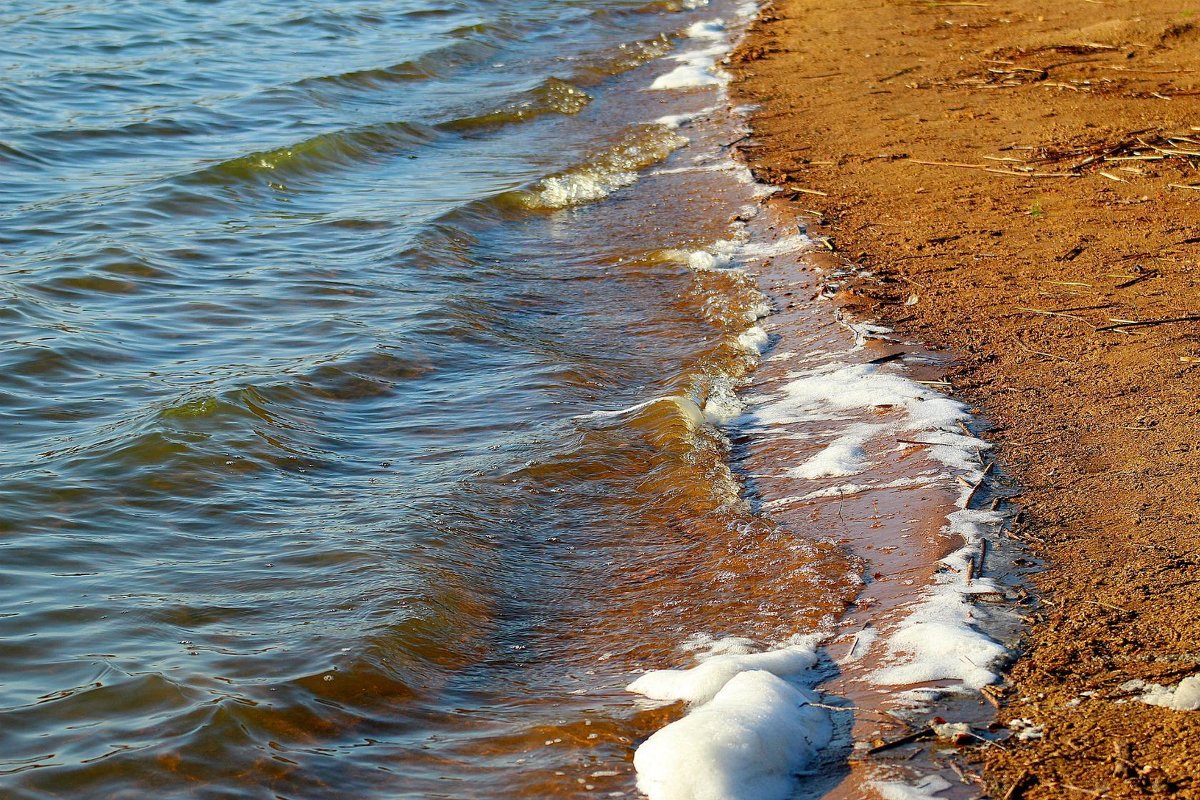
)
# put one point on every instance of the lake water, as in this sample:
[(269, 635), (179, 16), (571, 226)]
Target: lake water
[(365, 371)]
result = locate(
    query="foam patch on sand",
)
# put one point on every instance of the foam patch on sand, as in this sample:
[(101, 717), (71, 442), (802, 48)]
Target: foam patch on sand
[(849, 490), (937, 638), (925, 789), (1184, 696), (750, 726), (841, 458)]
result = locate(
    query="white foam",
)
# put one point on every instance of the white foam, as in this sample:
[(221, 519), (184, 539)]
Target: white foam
[(937, 639), (583, 187), (677, 121), (701, 683), (722, 405), (608, 171), (698, 67), (1184, 696), (925, 789), (708, 29), (849, 490), (750, 728), (687, 76), (827, 392), (754, 339), (841, 458)]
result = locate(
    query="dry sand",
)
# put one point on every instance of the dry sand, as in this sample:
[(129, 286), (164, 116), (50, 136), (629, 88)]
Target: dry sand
[(1059, 140)]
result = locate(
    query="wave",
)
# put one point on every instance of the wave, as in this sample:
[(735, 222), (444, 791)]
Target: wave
[(607, 171), (321, 153), (437, 63), (553, 96)]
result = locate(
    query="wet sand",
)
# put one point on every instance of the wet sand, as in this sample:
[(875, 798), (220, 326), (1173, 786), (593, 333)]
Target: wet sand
[(1015, 178)]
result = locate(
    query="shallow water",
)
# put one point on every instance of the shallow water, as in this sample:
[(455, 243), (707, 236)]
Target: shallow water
[(370, 378), (310, 312)]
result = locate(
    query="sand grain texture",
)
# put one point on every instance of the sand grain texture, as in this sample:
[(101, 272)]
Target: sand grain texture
[(1056, 204)]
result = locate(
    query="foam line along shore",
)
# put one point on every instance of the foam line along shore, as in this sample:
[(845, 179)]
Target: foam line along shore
[(1012, 186), (828, 405)]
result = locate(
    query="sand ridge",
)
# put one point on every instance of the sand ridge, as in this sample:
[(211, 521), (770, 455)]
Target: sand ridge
[(1020, 179)]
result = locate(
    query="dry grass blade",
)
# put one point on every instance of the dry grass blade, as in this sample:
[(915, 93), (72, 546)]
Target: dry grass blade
[(994, 170), (1050, 313), (1146, 323)]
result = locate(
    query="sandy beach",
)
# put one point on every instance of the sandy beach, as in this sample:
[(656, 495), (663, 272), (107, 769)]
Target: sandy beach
[(1019, 183)]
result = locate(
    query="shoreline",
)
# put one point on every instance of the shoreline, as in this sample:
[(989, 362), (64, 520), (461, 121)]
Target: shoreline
[(940, 601), (1012, 179)]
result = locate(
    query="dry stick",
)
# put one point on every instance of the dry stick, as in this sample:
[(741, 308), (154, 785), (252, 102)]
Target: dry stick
[(975, 488), (983, 553), (1181, 186), (1018, 787), (924, 733), (1138, 279), (1074, 788), (897, 74), (1149, 322)]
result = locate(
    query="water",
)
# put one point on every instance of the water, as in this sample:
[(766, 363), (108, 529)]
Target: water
[(309, 312), (370, 387)]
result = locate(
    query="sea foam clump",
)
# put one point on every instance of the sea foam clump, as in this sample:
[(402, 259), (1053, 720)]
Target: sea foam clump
[(938, 637), (698, 67), (750, 727), (1184, 696)]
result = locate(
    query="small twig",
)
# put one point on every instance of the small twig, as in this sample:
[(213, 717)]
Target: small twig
[(807, 191), (1137, 279), (828, 707), (1018, 787), (898, 73), (1150, 322), (924, 733), (978, 484)]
